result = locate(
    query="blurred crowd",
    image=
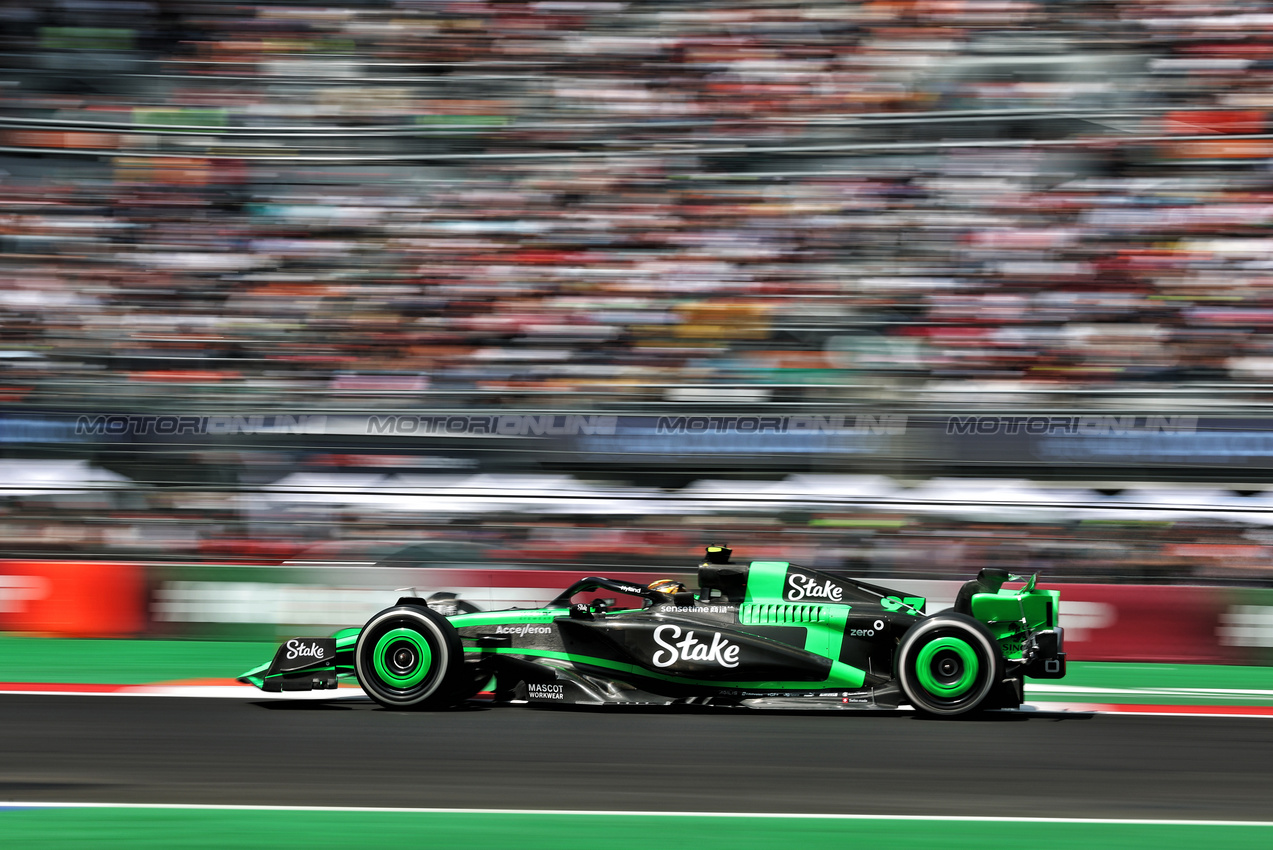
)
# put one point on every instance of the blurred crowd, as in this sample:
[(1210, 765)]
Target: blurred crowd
[(212, 528), (712, 205)]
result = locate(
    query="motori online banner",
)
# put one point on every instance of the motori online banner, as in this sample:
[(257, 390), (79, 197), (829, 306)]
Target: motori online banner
[(1169, 439)]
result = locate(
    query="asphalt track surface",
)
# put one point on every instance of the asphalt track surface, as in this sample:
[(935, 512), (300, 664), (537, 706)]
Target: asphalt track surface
[(352, 753)]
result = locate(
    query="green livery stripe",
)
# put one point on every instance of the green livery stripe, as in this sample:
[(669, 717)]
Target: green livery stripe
[(766, 583), (842, 675), (845, 674), (764, 580), (816, 641), (495, 618), (823, 625), (256, 673)]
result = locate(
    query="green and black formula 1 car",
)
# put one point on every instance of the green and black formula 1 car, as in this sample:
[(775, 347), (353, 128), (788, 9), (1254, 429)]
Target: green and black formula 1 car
[(765, 635)]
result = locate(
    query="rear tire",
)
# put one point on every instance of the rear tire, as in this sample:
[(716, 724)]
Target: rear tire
[(948, 664), (410, 657)]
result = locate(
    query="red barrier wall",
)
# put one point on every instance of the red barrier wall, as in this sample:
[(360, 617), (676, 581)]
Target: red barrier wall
[(72, 598), (1148, 623), (1106, 622)]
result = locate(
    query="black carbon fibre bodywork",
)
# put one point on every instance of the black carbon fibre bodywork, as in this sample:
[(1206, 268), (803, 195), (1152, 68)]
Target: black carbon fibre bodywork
[(765, 634)]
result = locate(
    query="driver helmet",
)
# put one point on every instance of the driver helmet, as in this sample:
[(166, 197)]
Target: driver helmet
[(667, 585)]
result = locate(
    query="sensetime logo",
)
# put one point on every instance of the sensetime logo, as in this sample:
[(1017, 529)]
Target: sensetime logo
[(689, 648)]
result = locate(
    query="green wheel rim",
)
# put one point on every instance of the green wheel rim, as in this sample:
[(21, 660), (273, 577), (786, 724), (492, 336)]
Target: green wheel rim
[(947, 667), (402, 658)]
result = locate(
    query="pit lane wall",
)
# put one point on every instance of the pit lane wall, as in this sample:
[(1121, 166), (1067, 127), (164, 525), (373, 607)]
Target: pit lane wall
[(118, 599)]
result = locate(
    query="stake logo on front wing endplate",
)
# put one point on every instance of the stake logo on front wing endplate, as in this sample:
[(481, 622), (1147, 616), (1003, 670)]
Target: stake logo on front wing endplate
[(301, 654), (312, 650), (681, 645)]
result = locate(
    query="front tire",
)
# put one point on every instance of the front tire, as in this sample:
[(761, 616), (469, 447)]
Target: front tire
[(410, 657), (948, 664)]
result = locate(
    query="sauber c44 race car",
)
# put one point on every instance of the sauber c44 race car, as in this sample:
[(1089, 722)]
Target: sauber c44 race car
[(768, 634)]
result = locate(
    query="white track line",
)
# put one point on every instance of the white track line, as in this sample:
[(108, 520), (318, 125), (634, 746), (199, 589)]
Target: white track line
[(196, 691), (1133, 710), (239, 692), (1068, 690), (622, 813), (1074, 705)]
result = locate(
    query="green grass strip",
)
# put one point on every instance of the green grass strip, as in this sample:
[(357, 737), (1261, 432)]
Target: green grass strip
[(1096, 674), (125, 662), (136, 662), (1164, 679), (194, 829)]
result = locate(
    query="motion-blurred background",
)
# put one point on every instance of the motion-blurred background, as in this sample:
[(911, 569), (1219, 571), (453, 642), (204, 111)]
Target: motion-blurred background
[(298, 299)]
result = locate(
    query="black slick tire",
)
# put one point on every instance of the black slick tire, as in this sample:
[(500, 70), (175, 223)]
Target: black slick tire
[(411, 657), (948, 664)]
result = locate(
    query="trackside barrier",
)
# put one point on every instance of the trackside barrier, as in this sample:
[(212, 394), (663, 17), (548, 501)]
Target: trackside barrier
[(73, 598), (267, 602), (1154, 623), (1127, 622), (1246, 624), (1146, 623)]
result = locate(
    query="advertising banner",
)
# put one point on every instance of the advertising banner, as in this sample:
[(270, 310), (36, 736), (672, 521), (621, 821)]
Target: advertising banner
[(1246, 624), (1150, 623), (1131, 623), (1098, 440), (264, 602), (745, 439), (96, 599)]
